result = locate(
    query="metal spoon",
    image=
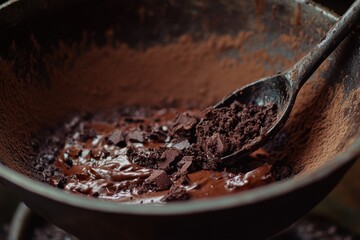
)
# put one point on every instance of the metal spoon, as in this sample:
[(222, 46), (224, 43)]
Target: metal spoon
[(282, 88)]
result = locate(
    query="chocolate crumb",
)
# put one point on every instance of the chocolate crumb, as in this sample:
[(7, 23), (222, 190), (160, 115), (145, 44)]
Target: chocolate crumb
[(146, 158), (62, 183)]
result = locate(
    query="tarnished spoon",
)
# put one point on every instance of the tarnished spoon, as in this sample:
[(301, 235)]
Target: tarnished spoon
[(282, 88)]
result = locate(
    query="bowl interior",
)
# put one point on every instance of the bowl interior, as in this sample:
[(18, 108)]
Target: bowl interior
[(106, 54)]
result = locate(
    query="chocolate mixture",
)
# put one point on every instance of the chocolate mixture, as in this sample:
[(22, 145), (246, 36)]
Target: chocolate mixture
[(144, 155), (154, 155), (148, 154)]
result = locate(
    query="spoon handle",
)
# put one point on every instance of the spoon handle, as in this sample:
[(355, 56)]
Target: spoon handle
[(306, 66)]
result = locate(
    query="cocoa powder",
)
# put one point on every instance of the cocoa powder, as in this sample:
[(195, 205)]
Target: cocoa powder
[(183, 73)]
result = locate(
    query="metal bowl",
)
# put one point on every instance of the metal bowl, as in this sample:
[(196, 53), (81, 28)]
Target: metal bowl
[(31, 101)]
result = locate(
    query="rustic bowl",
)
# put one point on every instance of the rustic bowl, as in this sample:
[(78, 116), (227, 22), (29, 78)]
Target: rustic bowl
[(31, 100)]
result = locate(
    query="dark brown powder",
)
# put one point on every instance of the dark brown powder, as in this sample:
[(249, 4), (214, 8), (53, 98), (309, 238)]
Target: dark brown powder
[(226, 130)]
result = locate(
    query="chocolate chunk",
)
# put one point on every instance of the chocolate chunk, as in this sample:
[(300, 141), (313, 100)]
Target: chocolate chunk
[(168, 157), (187, 159), (176, 194), (184, 125), (69, 162), (158, 134), (136, 136), (117, 138), (186, 166), (181, 178), (181, 145), (160, 179), (217, 145), (186, 120), (62, 183)]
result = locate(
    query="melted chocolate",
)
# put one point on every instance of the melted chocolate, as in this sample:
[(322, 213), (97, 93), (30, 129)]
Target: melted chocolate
[(147, 156)]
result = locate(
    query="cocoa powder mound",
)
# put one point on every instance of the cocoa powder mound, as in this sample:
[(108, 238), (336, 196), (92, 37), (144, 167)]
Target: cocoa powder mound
[(319, 135)]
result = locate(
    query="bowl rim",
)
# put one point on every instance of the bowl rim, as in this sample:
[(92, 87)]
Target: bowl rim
[(195, 206)]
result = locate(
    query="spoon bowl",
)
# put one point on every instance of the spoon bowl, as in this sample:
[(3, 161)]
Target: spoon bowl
[(275, 89)]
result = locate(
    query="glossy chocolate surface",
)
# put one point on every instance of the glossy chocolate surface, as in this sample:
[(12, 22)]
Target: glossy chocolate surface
[(142, 155)]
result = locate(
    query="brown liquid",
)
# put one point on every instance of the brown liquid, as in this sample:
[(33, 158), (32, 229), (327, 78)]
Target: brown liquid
[(97, 168)]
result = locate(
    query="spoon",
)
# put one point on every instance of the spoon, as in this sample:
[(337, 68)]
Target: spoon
[(282, 88)]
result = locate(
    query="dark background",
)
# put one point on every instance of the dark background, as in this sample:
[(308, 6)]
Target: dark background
[(339, 6)]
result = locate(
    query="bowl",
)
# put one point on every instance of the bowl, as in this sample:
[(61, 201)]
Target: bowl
[(61, 57)]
